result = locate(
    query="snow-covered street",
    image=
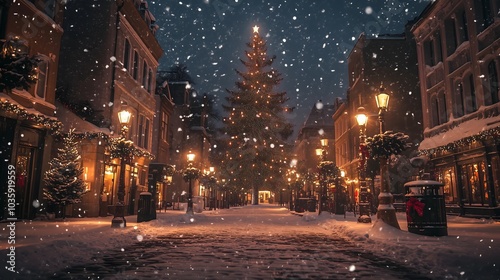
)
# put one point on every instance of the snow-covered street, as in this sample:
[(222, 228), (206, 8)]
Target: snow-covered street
[(251, 242)]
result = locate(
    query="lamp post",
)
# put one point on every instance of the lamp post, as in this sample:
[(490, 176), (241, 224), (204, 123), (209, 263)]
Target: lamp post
[(190, 159), (364, 203), (119, 216), (211, 183), (385, 211), (321, 152)]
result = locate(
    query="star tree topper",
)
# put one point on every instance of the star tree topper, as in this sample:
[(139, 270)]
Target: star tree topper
[(256, 29)]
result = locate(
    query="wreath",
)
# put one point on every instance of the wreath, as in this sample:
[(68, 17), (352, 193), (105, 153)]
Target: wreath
[(170, 170)]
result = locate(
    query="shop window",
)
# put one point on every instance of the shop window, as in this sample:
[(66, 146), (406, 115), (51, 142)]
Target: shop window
[(484, 183), (495, 167), (474, 183), (447, 177)]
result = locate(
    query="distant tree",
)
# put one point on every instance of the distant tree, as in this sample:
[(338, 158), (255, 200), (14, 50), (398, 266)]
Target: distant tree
[(63, 183)]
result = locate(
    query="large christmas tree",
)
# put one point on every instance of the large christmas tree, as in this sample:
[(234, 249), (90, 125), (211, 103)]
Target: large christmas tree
[(255, 130), (63, 185)]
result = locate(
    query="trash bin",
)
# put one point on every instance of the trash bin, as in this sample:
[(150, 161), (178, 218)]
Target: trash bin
[(425, 208), (301, 204), (144, 212), (311, 205)]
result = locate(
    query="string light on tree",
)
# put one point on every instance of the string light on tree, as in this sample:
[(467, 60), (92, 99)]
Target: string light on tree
[(256, 129)]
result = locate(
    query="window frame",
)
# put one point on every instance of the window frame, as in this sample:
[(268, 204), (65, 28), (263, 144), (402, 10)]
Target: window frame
[(45, 64)]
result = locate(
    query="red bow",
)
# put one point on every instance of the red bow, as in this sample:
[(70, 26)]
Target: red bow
[(414, 204)]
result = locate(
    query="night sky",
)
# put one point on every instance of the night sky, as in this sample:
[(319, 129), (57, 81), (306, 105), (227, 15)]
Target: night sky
[(311, 39)]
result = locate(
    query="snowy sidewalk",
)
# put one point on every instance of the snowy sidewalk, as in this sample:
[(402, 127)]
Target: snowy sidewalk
[(470, 251)]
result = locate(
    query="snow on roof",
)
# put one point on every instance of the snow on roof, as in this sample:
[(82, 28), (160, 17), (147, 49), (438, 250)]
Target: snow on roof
[(461, 131)]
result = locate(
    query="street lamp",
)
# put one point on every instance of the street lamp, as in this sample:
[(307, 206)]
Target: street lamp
[(321, 152), (382, 100), (385, 211), (119, 217), (124, 117), (364, 203), (211, 183), (190, 159)]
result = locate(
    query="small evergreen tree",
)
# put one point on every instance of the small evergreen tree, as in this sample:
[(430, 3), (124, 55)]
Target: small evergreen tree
[(63, 185)]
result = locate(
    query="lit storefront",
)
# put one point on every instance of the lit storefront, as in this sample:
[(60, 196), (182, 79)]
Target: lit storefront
[(470, 173)]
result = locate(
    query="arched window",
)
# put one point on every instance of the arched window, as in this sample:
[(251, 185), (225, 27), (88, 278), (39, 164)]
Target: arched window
[(443, 113), (484, 14), (136, 66), (464, 30), (470, 95), (150, 81), (126, 55), (434, 111), (145, 75), (458, 100), (493, 84), (451, 36)]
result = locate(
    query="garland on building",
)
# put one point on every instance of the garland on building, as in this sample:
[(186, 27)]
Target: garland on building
[(489, 134), (387, 144), (121, 148), (52, 124)]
